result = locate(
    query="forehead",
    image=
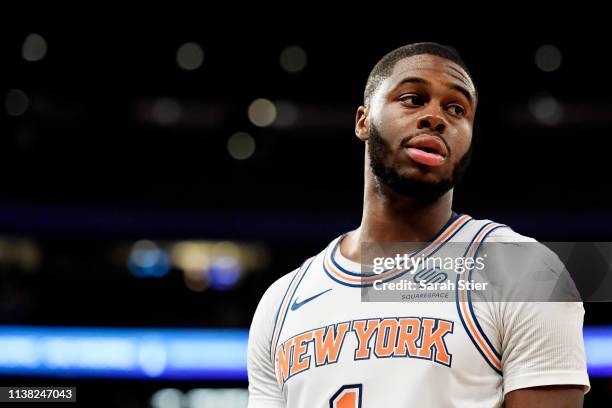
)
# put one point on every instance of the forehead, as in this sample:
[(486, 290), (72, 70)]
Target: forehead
[(432, 68)]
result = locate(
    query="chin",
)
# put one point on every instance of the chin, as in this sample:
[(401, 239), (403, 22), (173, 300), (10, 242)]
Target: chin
[(424, 174)]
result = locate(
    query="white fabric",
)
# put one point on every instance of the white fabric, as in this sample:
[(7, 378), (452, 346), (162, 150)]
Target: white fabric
[(540, 344)]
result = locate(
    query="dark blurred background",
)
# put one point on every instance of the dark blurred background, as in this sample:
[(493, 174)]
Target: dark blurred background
[(159, 178)]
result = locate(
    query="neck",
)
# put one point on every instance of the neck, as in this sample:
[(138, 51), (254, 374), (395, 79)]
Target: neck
[(390, 217)]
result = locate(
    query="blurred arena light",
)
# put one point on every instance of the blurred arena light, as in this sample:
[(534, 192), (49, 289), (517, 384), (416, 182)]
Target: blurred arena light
[(225, 268), (171, 111), (200, 398), (293, 59), (598, 348), (224, 272), (34, 48), (241, 145), (546, 109), (189, 56), (211, 114), (148, 260), (166, 111), (219, 397), (144, 353), (167, 398), (548, 58), (262, 112), (191, 255), (152, 357), (22, 252), (286, 113), (193, 258), (16, 102), (218, 265)]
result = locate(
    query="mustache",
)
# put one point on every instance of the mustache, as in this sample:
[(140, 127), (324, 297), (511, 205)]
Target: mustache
[(406, 139)]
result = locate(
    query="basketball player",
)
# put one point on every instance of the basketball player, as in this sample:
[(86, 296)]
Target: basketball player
[(314, 342)]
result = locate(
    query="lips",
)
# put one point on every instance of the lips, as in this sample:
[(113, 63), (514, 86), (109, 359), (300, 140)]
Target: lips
[(428, 150)]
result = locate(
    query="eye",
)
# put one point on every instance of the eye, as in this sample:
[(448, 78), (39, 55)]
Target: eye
[(412, 99), (456, 110)]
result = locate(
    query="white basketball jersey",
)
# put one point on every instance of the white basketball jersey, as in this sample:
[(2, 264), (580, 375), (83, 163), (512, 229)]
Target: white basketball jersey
[(315, 343)]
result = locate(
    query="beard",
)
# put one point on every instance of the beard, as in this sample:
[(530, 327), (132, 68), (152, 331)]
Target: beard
[(424, 192)]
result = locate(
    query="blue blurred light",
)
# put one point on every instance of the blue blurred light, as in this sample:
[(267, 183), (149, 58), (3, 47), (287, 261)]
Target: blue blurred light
[(214, 354), (598, 346), (148, 260), (224, 272)]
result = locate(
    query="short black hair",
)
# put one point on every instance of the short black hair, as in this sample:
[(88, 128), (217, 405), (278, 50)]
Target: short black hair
[(385, 65)]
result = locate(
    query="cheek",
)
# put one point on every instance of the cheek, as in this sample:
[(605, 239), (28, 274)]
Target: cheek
[(394, 123), (461, 137)]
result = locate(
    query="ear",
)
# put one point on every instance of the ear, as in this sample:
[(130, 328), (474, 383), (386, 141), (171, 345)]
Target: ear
[(362, 123)]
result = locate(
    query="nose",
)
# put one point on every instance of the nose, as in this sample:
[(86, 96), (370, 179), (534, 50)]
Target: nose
[(432, 122)]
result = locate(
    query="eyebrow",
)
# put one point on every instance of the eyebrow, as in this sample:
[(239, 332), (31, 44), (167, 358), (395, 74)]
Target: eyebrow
[(412, 80), (417, 80), (464, 91)]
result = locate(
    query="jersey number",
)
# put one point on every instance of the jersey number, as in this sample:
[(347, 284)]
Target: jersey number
[(348, 396)]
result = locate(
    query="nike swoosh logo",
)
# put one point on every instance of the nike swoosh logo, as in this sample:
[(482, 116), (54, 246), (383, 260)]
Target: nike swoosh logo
[(296, 304)]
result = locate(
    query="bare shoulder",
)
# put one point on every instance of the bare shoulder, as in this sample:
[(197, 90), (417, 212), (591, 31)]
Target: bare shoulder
[(557, 396)]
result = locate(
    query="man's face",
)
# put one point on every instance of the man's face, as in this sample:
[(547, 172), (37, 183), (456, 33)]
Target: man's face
[(419, 126)]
